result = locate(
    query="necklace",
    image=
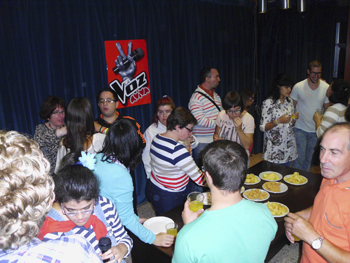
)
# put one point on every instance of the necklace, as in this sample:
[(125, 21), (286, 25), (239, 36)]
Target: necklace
[(53, 128)]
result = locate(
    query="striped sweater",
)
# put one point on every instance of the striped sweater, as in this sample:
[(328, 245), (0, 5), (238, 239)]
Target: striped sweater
[(205, 112), (333, 114), (115, 227), (172, 165)]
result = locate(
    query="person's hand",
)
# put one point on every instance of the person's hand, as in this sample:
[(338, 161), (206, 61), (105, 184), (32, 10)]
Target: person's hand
[(118, 252), (164, 240), (61, 132), (317, 117), (298, 226), (142, 220), (296, 116), (188, 215), (217, 138), (285, 118), (127, 73), (237, 122), (189, 148)]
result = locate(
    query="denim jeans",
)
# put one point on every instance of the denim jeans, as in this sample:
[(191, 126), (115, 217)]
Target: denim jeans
[(163, 200), (306, 142)]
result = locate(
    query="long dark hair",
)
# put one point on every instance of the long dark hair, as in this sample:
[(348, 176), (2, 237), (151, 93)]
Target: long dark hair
[(80, 123), (280, 80), (123, 144)]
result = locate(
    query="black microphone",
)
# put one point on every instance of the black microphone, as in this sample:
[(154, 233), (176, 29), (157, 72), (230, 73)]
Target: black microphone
[(105, 243), (137, 54)]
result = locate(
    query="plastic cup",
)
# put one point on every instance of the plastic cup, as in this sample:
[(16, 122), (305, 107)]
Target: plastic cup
[(171, 229), (296, 238), (320, 111), (196, 201)]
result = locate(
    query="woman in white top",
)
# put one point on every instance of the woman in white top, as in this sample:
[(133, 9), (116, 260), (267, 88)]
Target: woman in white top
[(234, 123), (164, 107), (277, 121), (338, 94), (80, 130)]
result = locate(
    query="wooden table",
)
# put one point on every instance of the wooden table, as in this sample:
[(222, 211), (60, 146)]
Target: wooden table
[(296, 198)]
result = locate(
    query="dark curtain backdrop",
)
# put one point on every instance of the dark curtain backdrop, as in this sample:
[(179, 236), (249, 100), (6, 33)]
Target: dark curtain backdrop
[(56, 47)]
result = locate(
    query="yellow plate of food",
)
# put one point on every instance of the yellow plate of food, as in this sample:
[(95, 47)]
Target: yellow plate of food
[(251, 179), (295, 179), (275, 187), (277, 209), (242, 189), (256, 194), (207, 198), (270, 176)]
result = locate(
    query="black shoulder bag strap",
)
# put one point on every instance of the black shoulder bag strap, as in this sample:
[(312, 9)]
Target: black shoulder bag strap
[(205, 95)]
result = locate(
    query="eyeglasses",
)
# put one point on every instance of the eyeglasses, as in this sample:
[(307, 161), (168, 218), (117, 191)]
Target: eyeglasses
[(315, 73), (251, 98), (190, 130), (233, 111), (167, 112), (57, 113), (84, 211), (102, 101)]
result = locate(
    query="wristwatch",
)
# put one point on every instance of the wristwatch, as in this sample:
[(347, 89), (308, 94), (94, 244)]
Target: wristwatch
[(317, 243)]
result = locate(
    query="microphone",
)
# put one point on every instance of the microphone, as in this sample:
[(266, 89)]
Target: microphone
[(104, 244), (137, 54)]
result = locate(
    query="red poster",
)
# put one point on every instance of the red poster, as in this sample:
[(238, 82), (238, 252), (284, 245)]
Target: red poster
[(127, 69)]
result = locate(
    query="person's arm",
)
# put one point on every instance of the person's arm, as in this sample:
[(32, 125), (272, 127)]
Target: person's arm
[(295, 103), (317, 119), (305, 213), (266, 121), (303, 229), (125, 243), (61, 152), (246, 139), (100, 129), (122, 197), (146, 158), (323, 122), (216, 133), (197, 109), (186, 163)]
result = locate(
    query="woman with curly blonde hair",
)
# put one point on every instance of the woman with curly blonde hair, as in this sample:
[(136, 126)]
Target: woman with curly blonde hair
[(26, 195)]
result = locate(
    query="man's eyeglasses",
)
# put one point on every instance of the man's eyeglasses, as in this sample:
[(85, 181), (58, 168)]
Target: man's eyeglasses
[(57, 113), (315, 73), (102, 101), (190, 130), (84, 211), (233, 111)]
